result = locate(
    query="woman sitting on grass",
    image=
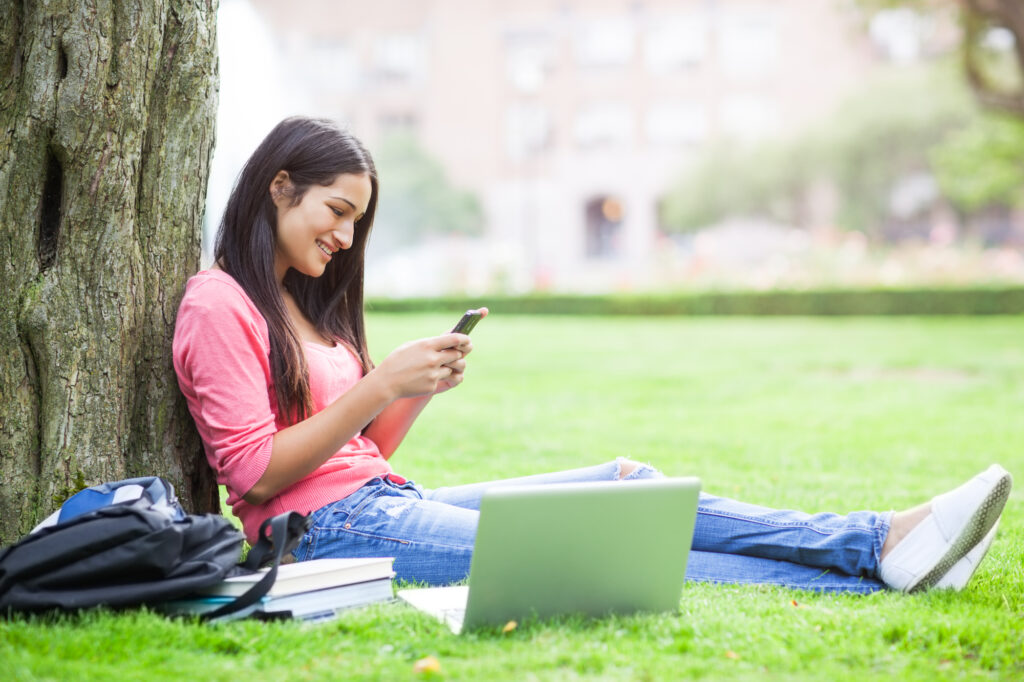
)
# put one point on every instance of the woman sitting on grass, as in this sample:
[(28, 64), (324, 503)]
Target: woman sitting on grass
[(270, 352)]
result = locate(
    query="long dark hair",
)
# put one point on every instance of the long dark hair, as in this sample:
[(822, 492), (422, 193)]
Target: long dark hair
[(311, 151)]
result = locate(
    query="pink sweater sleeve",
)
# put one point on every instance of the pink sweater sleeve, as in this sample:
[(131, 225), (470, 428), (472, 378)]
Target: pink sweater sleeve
[(222, 359)]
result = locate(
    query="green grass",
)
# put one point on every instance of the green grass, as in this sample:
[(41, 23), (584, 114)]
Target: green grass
[(818, 414)]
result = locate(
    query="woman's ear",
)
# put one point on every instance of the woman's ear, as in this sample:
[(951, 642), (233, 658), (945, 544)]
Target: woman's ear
[(281, 189)]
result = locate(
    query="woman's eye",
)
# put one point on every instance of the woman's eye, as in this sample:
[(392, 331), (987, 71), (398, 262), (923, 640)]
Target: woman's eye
[(337, 212)]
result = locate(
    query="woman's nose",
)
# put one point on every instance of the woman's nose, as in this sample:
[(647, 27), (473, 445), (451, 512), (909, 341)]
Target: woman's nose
[(344, 236)]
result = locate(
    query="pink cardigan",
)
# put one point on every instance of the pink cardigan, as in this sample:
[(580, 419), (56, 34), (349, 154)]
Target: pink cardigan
[(222, 359)]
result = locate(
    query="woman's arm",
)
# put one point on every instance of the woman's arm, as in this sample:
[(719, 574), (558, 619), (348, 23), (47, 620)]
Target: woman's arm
[(407, 377), (389, 429), (391, 426)]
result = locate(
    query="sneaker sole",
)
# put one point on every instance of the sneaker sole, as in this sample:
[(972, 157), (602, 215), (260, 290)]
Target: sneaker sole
[(975, 530), (989, 538)]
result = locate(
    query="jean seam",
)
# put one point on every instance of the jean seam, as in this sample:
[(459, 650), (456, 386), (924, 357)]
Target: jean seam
[(786, 524)]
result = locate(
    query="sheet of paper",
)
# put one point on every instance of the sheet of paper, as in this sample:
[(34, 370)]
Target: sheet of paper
[(447, 604)]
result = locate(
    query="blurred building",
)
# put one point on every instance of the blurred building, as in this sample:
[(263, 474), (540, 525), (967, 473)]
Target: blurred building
[(568, 118)]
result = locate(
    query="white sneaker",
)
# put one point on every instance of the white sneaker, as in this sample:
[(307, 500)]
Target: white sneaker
[(963, 570), (958, 521)]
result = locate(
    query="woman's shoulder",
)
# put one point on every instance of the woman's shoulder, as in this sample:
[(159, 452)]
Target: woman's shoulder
[(216, 289), (218, 327), (214, 300)]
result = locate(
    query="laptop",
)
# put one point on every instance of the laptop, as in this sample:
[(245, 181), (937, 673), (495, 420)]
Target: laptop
[(572, 548)]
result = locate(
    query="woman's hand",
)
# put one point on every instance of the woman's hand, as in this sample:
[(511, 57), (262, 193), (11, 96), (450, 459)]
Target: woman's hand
[(416, 370), (425, 366), (459, 366)]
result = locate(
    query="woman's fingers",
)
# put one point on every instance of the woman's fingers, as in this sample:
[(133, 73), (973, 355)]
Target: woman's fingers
[(427, 365), (450, 340), (459, 342), (450, 355), (455, 377), (458, 366)]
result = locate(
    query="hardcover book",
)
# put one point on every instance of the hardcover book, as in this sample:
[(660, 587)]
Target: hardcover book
[(305, 576), (311, 606)]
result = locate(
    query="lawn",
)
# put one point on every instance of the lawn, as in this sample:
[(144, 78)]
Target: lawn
[(819, 414)]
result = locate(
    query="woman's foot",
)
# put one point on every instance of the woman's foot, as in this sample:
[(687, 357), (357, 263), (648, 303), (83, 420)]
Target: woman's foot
[(925, 542), (902, 523)]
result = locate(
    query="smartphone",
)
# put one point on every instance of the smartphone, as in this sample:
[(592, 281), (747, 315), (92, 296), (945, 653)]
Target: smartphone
[(467, 322)]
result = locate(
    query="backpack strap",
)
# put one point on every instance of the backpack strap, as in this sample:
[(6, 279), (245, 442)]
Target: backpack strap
[(286, 530)]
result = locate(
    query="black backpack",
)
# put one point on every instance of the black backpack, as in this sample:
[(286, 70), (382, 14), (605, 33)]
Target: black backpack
[(130, 543)]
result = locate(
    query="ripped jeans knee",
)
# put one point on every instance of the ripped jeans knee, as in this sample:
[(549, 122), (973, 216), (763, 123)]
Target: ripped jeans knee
[(629, 470)]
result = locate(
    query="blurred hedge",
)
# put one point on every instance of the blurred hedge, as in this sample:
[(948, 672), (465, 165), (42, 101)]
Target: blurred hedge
[(976, 301)]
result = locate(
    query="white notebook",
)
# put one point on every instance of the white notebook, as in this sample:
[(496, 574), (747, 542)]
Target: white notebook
[(447, 604), (305, 576)]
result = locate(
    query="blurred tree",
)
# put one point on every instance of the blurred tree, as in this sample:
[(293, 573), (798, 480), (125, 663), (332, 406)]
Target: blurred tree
[(994, 87), (996, 77), (982, 164), (883, 134), (733, 179), (875, 138), (107, 117), (418, 198)]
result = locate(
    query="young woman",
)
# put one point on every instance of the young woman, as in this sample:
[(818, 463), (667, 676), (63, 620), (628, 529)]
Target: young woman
[(270, 352)]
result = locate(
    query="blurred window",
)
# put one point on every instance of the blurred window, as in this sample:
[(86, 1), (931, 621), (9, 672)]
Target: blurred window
[(603, 216), (603, 123), (750, 43), (604, 42), (331, 64), (399, 57), (529, 58), (1000, 39), (397, 122), (749, 116), (913, 194), (527, 130), (676, 43), (898, 33), (676, 123)]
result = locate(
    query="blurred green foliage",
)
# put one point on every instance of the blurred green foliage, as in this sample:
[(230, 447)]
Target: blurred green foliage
[(982, 164), (883, 133), (419, 200)]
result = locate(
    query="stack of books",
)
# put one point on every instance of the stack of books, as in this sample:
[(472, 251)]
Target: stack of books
[(311, 591)]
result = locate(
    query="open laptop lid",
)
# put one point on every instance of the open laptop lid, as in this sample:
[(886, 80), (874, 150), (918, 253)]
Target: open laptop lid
[(587, 548)]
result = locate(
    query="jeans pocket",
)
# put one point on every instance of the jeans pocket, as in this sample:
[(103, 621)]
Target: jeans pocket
[(335, 515), (355, 512), (344, 513)]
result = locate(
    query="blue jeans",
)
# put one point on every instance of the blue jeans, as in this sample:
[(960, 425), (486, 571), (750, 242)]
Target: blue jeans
[(431, 532)]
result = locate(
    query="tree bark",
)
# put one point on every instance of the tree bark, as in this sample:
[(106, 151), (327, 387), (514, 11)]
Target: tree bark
[(106, 131)]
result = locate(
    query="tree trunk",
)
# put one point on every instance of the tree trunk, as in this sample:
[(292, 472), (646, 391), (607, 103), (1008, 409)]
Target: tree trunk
[(107, 113), (978, 17)]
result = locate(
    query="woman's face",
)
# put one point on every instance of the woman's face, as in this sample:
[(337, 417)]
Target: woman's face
[(322, 223)]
